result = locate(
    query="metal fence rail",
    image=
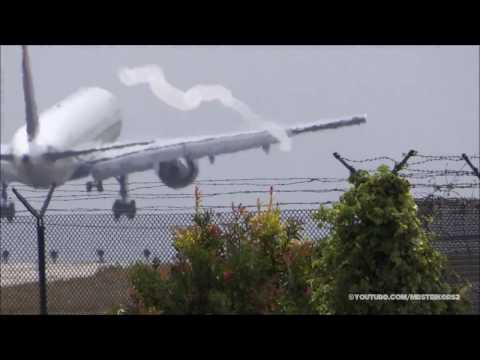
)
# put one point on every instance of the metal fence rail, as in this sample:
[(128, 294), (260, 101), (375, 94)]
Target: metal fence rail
[(88, 254)]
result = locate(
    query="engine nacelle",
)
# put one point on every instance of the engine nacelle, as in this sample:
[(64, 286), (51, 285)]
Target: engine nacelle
[(177, 173)]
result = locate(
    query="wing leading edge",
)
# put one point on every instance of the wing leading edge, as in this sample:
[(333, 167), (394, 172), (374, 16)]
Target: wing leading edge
[(121, 159)]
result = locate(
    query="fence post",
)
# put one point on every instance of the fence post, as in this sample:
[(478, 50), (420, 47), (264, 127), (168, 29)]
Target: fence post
[(402, 163), (41, 266), (344, 163), (42, 277), (475, 170)]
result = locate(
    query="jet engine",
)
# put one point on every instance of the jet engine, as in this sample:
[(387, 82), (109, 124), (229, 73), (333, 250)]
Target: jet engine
[(177, 173)]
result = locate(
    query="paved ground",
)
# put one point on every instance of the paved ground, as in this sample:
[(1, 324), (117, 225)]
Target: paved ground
[(17, 274), (79, 289)]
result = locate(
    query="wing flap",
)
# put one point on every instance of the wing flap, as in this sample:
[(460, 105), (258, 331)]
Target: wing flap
[(138, 161)]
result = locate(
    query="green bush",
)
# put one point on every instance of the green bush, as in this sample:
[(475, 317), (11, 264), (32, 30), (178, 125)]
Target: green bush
[(150, 289), (378, 246), (255, 264), (258, 264)]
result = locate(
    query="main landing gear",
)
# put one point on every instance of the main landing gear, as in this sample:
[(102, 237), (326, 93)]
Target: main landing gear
[(8, 211), (7, 208), (123, 206)]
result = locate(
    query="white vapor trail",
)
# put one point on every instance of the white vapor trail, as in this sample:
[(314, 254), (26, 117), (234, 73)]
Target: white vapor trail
[(154, 76)]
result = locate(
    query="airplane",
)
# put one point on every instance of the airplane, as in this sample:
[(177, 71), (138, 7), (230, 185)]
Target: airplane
[(77, 139)]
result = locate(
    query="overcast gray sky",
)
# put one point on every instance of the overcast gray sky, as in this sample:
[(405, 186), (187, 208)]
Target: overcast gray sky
[(420, 97)]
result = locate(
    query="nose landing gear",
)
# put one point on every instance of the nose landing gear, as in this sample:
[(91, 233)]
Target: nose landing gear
[(98, 185), (7, 208), (123, 206)]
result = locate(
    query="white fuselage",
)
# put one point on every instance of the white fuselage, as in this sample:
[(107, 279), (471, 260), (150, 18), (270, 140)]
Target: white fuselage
[(89, 117)]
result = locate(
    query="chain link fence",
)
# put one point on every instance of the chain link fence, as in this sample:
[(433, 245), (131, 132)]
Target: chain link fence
[(88, 254)]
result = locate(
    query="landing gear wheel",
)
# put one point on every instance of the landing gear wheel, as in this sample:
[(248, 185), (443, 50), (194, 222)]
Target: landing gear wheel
[(132, 210), (8, 211), (11, 212), (117, 211), (7, 208), (121, 207), (91, 185)]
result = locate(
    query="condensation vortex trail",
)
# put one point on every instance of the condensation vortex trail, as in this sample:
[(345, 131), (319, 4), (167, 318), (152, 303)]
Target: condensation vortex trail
[(154, 76)]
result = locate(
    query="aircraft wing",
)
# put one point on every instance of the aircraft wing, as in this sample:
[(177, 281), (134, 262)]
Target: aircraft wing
[(123, 158), (7, 171)]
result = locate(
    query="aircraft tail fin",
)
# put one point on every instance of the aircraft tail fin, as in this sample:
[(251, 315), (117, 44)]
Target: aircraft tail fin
[(30, 104)]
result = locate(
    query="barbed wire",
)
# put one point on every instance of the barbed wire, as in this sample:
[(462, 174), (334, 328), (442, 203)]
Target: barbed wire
[(418, 173), (178, 195), (378, 158), (413, 173), (426, 159), (160, 208), (205, 182), (425, 183), (407, 172)]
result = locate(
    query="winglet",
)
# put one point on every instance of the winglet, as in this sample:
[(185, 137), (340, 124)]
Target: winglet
[(30, 105)]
